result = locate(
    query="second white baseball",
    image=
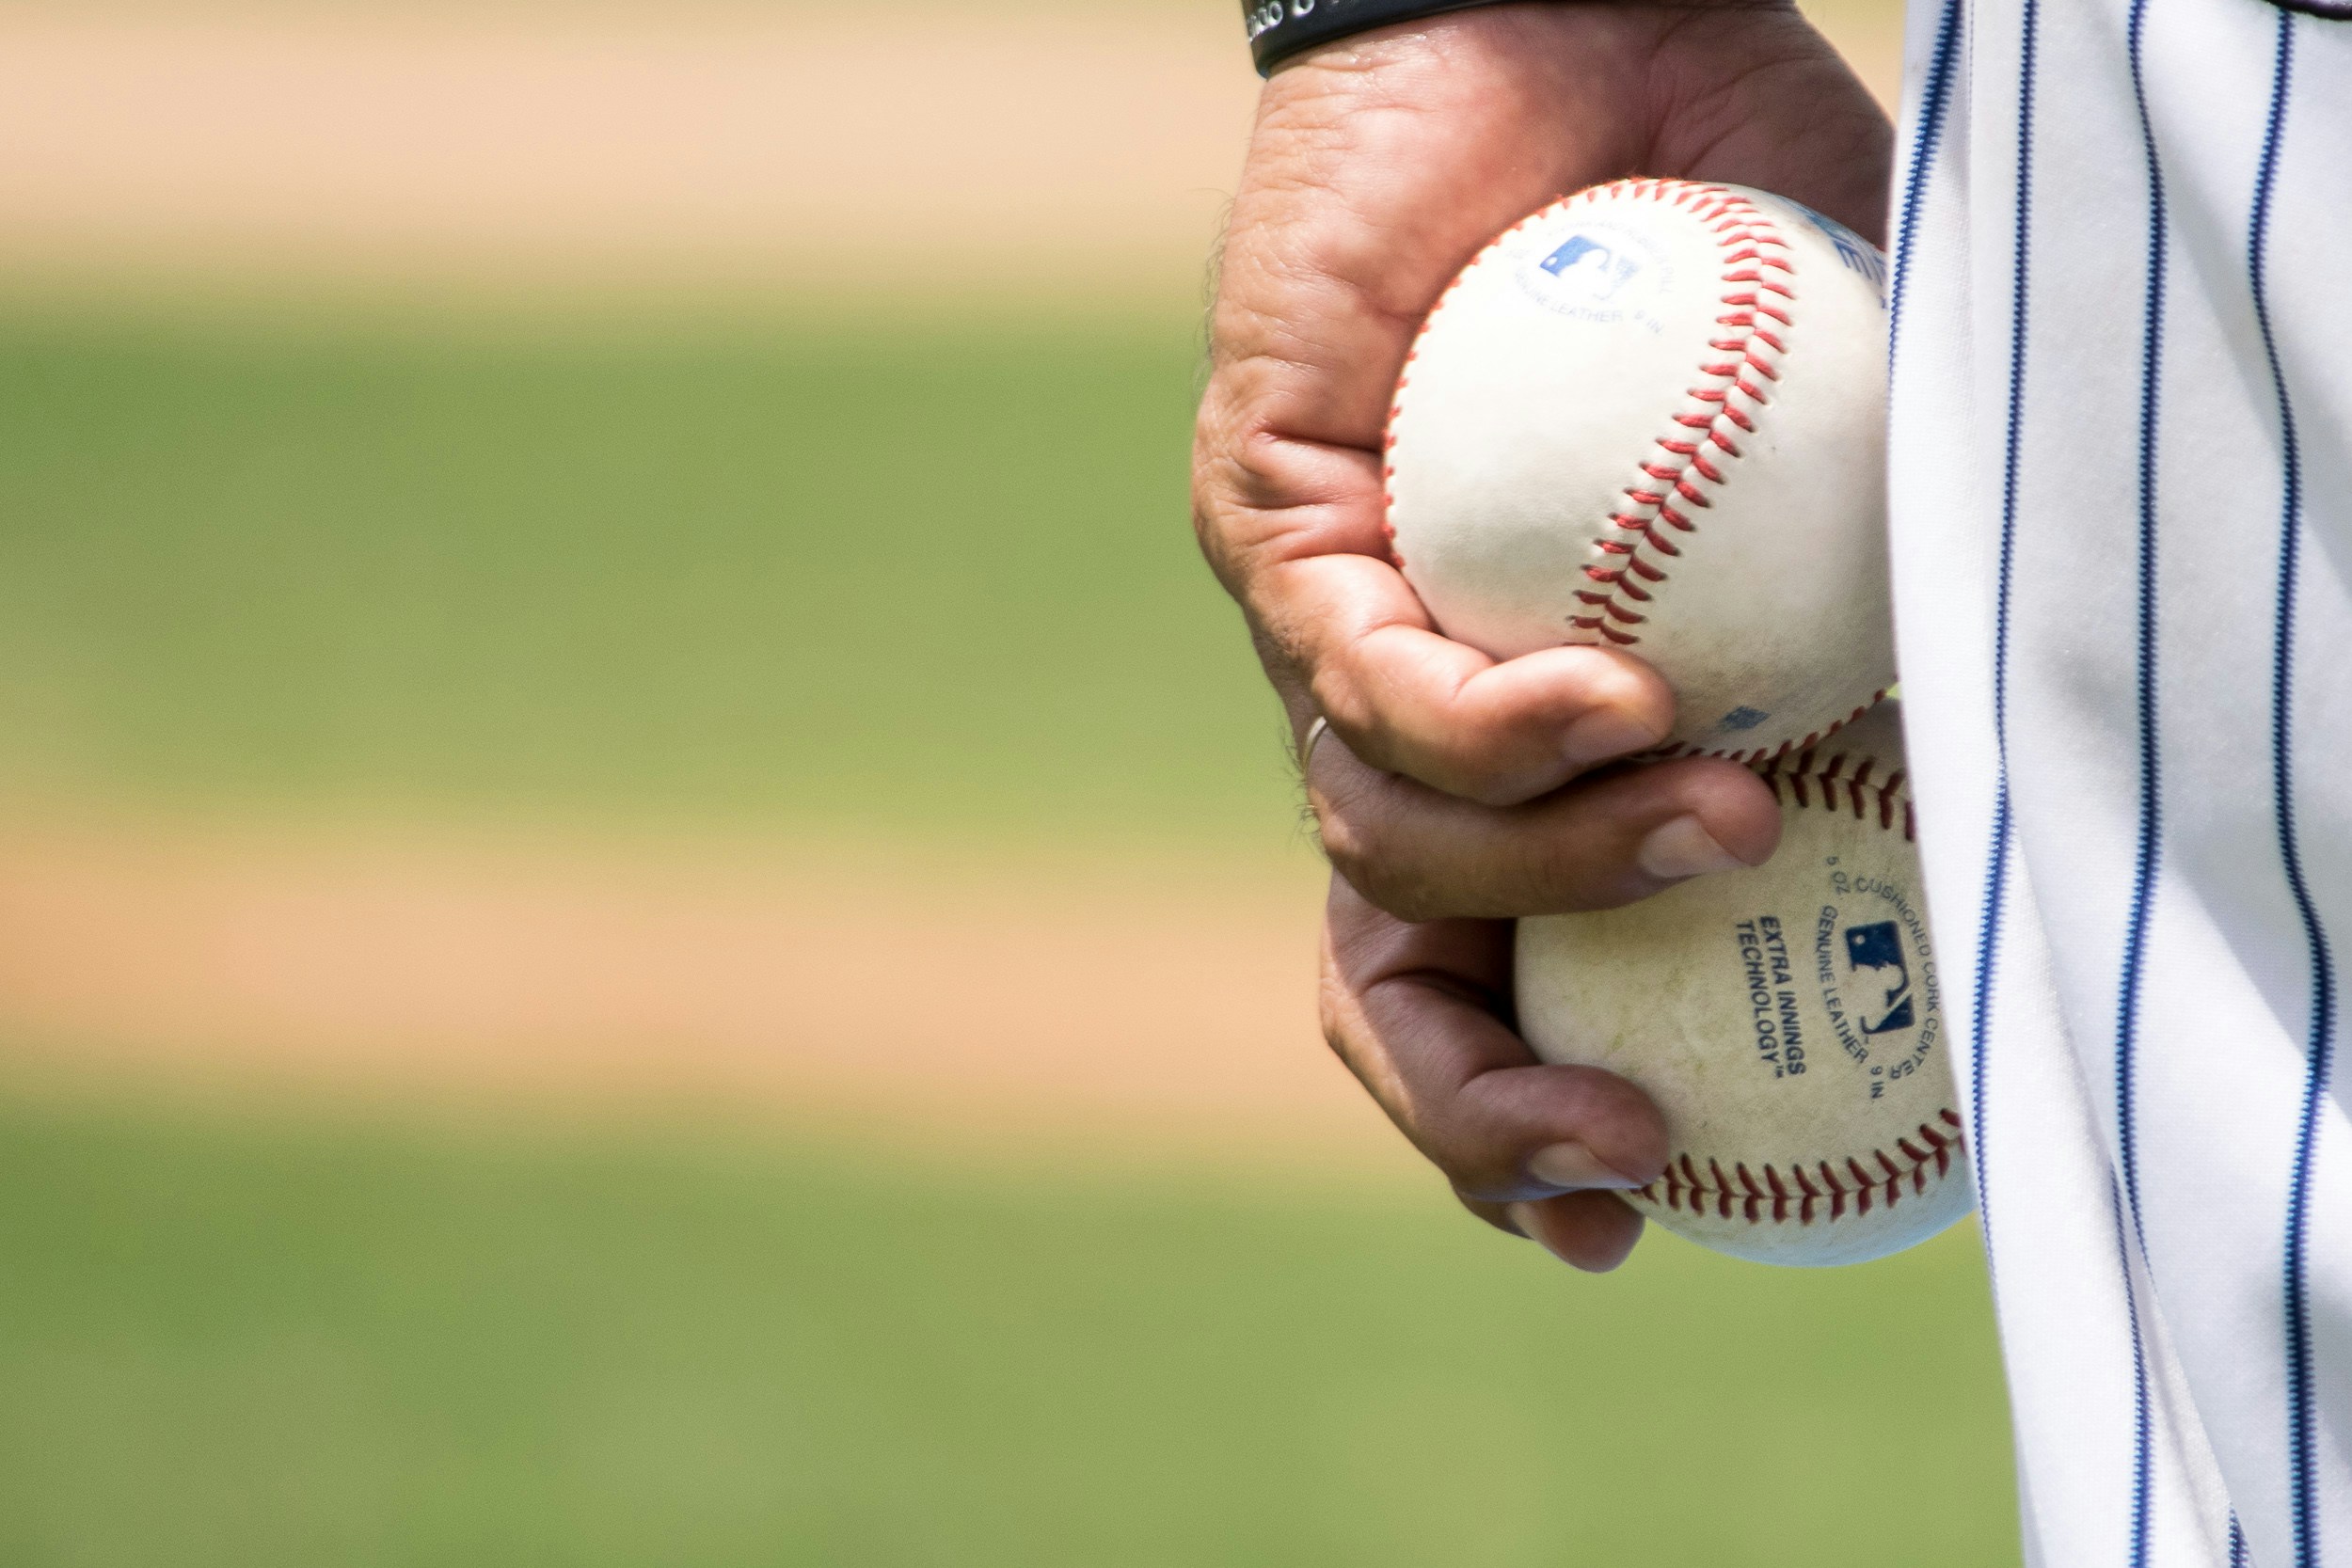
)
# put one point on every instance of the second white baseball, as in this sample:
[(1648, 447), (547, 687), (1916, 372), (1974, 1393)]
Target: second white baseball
[(1787, 1020), (1652, 417)]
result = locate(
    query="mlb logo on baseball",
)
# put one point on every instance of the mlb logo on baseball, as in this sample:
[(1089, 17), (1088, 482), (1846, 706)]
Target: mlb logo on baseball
[(1591, 262), (1879, 945), (1597, 272)]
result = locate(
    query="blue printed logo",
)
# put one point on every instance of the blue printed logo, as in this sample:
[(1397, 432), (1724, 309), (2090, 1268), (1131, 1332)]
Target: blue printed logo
[(1742, 718), (1880, 946), (1855, 253), (1597, 270)]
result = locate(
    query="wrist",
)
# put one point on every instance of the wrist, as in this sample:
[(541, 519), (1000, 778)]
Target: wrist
[(1280, 30), (1283, 31)]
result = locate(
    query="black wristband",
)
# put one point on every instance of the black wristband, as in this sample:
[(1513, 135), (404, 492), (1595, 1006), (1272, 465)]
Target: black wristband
[(1281, 29)]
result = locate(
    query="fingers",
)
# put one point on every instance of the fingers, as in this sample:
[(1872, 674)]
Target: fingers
[(1591, 1231), (1411, 702), (1422, 854), (1418, 1011)]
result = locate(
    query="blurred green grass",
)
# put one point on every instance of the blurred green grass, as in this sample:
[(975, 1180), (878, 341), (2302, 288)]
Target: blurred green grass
[(927, 580), (866, 578), (235, 1342)]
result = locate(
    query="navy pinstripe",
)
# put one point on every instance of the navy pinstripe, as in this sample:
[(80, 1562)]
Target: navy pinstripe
[(2148, 850), (1934, 102), (1935, 99), (1997, 866), (2320, 1037), (2146, 853), (2142, 1423)]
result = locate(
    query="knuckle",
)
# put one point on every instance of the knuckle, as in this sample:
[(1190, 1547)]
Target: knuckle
[(1332, 1013), (1379, 857), (1344, 843), (1339, 697), (1384, 879), (1357, 832), (1222, 516), (1226, 562), (1457, 1145), (1466, 764)]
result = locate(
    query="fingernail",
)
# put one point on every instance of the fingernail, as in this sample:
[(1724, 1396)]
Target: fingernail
[(1571, 1165), (1605, 734), (1684, 847)]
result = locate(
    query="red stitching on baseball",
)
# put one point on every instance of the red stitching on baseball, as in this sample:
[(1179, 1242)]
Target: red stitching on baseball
[(1806, 1193), (1812, 781), (1752, 248), (1769, 758)]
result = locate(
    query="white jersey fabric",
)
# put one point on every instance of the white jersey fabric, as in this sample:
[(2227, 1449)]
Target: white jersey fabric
[(2123, 537)]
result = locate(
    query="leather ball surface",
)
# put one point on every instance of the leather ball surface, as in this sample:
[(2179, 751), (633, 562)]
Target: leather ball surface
[(1789, 1021), (1652, 415)]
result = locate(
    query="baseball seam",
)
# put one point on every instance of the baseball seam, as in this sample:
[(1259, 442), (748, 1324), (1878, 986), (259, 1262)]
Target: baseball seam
[(1776, 1195), (1728, 394), (1771, 1195), (1831, 786)]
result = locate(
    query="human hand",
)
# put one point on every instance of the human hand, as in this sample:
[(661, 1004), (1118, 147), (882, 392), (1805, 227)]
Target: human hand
[(1419, 1013), (1379, 165)]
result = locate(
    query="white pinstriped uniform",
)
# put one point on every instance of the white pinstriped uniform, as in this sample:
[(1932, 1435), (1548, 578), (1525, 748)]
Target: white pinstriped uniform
[(2123, 539)]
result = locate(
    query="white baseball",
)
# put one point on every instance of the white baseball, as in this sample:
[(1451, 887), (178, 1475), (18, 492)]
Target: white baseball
[(1652, 415), (1787, 1020)]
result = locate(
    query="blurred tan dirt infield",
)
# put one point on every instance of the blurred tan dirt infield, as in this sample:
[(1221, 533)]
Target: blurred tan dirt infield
[(547, 148), (1169, 1003), (919, 147)]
